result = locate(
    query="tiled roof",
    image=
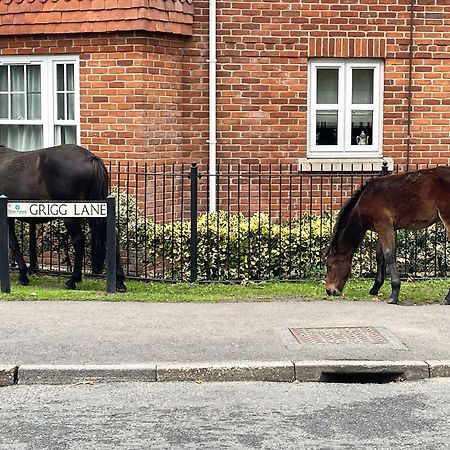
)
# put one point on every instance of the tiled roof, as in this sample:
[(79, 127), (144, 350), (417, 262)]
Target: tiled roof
[(189, 2), (75, 16)]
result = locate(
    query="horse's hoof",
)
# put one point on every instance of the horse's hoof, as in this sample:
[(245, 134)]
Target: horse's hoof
[(446, 301), (392, 301), (69, 284), (373, 292), (121, 288), (23, 282)]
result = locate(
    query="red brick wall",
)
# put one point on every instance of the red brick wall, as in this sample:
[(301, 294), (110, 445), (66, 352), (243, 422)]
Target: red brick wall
[(144, 96), (263, 51)]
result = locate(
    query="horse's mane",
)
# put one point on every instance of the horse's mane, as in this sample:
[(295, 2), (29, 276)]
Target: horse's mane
[(342, 218)]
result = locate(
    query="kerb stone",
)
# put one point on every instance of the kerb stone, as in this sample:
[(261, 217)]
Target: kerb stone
[(439, 368), (282, 371), (79, 374), (317, 370), (8, 375)]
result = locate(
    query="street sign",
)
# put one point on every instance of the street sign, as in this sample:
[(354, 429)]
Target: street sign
[(16, 209), (56, 209)]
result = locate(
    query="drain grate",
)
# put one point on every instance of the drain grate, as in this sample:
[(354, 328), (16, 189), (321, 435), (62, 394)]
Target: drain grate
[(339, 335)]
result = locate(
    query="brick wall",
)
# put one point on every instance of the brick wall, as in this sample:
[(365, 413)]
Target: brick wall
[(263, 51), (146, 94)]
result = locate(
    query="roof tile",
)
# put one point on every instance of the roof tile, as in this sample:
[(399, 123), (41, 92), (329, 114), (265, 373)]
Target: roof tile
[(52, 16)]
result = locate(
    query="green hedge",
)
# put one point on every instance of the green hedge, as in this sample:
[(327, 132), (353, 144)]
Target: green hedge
[(233, 247)]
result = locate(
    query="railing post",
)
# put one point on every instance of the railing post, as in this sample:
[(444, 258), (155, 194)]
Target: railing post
[(384, 168), (193, 176), (4, 246), (32, 248)]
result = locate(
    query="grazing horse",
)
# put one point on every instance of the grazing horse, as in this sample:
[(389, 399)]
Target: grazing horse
[(412, 200), (65, 172)]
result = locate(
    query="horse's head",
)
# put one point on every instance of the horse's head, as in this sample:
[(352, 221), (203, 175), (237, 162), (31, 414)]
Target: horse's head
[(339, 267)]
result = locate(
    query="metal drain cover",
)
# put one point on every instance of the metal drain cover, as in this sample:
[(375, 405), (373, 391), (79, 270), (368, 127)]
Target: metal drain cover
[(340, 335)]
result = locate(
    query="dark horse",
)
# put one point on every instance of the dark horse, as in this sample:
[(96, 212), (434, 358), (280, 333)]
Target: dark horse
[(65, 172), (413, 201)]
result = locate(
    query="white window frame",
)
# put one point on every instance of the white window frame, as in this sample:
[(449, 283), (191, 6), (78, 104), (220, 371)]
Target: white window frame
[(345, 148), (48, 119)]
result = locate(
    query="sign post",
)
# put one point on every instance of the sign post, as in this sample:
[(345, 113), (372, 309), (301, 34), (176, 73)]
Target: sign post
[(54, 210), (4, 247), (111, 244)]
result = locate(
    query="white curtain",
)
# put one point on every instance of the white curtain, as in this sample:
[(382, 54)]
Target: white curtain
[(65, 134), (21, 137), (24, 89)]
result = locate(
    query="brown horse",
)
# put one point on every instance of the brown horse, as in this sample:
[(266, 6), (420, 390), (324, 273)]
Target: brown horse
[(413, 201)]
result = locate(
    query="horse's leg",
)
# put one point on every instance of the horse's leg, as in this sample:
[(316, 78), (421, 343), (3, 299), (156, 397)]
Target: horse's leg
[(387, 238), (21, 265), (444, 214), (381, 270), (77, 237)]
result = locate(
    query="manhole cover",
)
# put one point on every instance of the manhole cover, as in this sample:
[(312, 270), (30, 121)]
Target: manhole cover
[(339, 335)]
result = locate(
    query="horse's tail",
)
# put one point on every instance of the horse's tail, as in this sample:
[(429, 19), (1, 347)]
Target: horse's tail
[(99, 191)]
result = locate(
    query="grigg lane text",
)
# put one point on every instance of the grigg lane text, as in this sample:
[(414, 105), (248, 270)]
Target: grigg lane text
[(65, 209)]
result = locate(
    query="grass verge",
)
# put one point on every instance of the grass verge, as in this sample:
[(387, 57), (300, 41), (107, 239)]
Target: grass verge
[(51, 288)]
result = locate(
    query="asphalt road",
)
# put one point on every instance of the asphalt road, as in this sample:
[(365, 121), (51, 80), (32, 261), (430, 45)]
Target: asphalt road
[(226, 416)]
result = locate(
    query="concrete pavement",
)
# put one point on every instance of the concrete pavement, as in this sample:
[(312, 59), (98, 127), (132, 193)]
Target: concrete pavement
[(83, 342)]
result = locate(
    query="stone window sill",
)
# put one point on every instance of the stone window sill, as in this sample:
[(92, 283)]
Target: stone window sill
[(341, 165)]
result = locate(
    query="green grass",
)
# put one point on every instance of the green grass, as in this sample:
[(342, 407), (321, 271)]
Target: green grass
[(51, 288)]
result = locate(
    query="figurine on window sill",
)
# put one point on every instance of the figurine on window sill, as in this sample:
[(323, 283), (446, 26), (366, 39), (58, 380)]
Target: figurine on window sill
[(362, 139)]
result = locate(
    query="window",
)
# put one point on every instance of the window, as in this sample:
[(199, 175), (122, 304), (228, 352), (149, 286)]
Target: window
[(39, 101), (345, 107)]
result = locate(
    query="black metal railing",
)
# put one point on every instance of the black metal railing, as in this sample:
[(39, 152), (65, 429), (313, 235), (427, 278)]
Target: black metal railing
[(270, 222)]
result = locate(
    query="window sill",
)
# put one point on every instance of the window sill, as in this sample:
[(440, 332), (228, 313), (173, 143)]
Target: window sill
[(340, 165)]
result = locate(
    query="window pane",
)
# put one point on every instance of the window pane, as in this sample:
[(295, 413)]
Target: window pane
[(18, 106), (60, 114), (65, 135), (21, 137), (3, 78), (60, 77), (17, 78), (34, 106), (33, 92), (33, 79), (326, 127), (362, 126), (4, 106), (70, 107), (362, 86), (327, 86), (70, 84)]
